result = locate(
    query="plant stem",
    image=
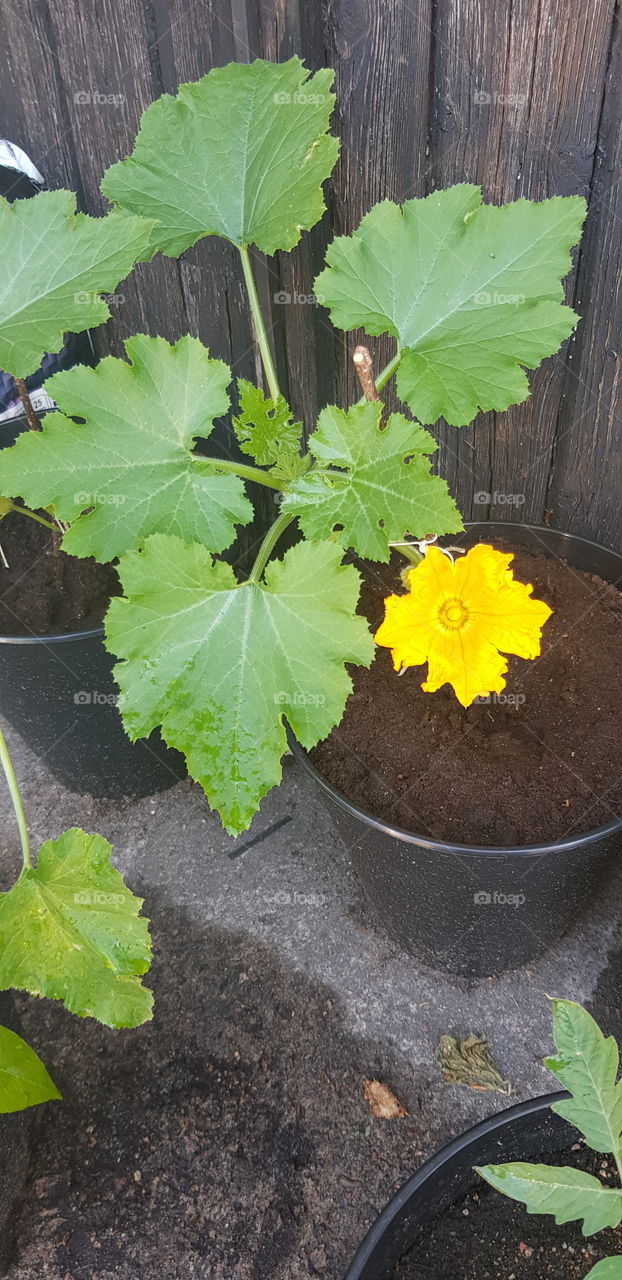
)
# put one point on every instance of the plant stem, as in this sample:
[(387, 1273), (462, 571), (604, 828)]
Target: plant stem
[(268, 545), (9, 773), (260, 328), (387, 372), (247, 473), (409, 551), (364, 366), (31, 417), (32, 515)]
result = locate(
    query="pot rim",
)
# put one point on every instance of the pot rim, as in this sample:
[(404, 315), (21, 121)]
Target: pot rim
[(385, 1219), (64, 637), (439, 846), (60, 638)]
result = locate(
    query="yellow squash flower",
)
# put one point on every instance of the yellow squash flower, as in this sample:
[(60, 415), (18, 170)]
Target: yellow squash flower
[(456, 617)]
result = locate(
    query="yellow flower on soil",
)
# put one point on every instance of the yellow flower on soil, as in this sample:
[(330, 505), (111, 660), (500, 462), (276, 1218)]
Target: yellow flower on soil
[(456, 617)]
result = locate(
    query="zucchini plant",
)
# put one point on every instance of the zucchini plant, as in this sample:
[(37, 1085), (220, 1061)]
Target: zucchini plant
[(586, 1064), (69, 930), (471, 295)]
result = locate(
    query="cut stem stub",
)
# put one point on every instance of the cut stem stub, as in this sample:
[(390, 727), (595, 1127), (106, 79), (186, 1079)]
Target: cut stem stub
[(364, 366)]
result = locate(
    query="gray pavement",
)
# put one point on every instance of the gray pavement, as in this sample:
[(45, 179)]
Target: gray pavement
[(230, 1138)]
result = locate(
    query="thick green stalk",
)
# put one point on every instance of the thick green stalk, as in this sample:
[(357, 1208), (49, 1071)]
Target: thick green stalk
[(32, 515), (9, 773), (268, 545), (260, 328), (387, 373), (409, 551), (247, 473)]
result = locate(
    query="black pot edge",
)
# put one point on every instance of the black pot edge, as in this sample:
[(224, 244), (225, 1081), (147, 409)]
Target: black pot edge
[(385, 1220), (63, 637), (525, 850), (533, 850), (546, 529), (60, 638)]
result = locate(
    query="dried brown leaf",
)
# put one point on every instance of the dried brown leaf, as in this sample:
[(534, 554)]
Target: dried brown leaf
[(382, 1103)]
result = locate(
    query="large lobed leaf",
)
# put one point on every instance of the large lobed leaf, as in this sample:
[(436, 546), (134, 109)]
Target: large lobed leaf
[(131, 461), (70, 930), (219, 665), (606, 1269), (24, 1081), (376, 484), (54, 265), (568, 1194), (586, 1064), (471, 291), (241, 153)]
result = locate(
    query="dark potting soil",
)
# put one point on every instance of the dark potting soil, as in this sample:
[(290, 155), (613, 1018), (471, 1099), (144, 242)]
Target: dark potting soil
[(538, 762), (42, 592), (487, 1236)]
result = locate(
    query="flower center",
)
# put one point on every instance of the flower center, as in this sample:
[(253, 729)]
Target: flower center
[(452, 615)]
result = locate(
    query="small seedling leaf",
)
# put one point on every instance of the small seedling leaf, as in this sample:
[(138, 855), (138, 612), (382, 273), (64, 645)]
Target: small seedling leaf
[(24, 1081), (567, 1194), (71, 930), (587, 1064)]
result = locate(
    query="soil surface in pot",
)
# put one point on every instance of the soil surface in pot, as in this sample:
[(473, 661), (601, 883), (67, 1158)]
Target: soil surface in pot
[(41, 592), (487, 1236), (541, 761)]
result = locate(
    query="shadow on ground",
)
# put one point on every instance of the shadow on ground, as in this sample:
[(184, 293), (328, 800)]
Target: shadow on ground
[(229, 1138)]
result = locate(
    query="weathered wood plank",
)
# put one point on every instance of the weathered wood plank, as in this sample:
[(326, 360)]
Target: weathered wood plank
[(516, 109), (79, 79), (586, 488), (382, 59), (514, 94)]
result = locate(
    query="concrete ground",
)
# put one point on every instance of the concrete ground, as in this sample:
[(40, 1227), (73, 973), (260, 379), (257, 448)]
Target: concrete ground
[(230, 1138)]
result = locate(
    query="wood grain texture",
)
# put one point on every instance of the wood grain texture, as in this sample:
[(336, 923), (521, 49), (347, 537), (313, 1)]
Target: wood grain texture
[(522, 96), (516, 109), (586, 483)]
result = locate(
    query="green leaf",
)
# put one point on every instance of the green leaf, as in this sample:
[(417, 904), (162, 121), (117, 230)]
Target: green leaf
[(568, 1194), (131, 463), (374, 483), (241, 153), (24, 1081), (54, 265), (266, 430), (70, 930), (471, 291), (587, 1065), (6, 506), (606, 1269), (219, 665)]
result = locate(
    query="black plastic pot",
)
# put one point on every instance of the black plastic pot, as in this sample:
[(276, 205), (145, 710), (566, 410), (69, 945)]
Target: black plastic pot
[(58, 692), (520, 1133), (478, 911)]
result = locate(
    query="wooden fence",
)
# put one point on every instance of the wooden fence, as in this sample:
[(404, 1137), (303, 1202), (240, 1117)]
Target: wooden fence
[(523, 96)]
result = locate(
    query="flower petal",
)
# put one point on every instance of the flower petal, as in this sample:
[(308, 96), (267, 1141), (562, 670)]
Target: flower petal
[(405, 631), (462, 618), (514, 620), (483, 569), (467, 661)]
